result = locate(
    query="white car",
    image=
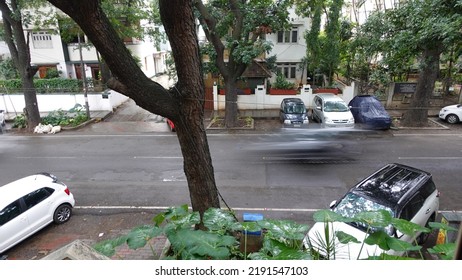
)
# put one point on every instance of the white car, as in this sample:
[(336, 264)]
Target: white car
[(452, 113), (404, 192), (331, 111), (29, 204)]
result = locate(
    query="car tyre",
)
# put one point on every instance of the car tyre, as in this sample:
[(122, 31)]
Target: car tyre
[(62, 214), (452, 119)]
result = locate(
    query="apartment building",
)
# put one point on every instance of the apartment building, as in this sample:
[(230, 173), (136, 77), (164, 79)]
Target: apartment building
[(49, 51), (289, 47)]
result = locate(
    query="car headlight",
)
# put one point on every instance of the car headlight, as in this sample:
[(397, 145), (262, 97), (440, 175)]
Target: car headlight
[(287, 122), (327, 120), (351, 120)]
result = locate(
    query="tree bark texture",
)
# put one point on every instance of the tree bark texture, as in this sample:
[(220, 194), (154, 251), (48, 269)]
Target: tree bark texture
[(184, 104), (20, 54), (417, 115)]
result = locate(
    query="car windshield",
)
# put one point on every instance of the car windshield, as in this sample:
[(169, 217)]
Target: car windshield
[(335, 106), (353, 204), (295, 109)]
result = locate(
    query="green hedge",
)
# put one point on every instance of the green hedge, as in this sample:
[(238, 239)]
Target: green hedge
[(54, 85)]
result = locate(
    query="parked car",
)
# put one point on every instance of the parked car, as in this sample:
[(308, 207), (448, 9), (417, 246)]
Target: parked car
[(331, 111), (171, 125), (405, 192), (293, 113), (452, 113), (369, 112), (29, 204)]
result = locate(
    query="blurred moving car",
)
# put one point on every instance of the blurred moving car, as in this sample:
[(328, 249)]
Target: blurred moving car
[(369, 112), (292, 113), (451, 114), (404, 192), (331, 111), (29, 204)]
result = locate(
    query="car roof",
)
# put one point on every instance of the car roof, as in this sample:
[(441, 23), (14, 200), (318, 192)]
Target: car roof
[(329, 96), (23, 186), (392, 184)]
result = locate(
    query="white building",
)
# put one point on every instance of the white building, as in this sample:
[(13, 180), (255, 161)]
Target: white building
[(289, 47), (49, 51)]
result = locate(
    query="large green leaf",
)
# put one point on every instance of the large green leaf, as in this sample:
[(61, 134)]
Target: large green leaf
[(172, 213), (346, 238), (386, 242), (284, 229), (138, 237), (186, 221), (445, 251), (202, 244), (408, 227), (275, 250), (442, 226), (216, 219), (108, 247)]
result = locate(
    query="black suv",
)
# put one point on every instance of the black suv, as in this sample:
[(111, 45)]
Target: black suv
[(292, 113), (405, 192)]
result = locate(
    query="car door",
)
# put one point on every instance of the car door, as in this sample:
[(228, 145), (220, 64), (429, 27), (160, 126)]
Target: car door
[(39, 208), (415, 212), (14, 225)]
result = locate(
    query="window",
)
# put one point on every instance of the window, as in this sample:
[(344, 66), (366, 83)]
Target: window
[(10, 212), (290, 36), (412, 207), (287, 69), (42, 40), (37, 196)]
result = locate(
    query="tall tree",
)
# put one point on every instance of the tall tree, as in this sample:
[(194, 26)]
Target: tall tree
[(236, 29), (419, 30), (183, 104), (18, 46)]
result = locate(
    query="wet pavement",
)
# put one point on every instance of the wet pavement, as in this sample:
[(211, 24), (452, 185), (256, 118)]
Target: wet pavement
[(92, 226)]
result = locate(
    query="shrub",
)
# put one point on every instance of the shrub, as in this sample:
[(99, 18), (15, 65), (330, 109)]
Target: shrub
[(282, 83), (73, 117)]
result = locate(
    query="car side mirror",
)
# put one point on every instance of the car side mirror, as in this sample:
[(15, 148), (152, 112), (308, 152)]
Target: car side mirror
[(332, 204)]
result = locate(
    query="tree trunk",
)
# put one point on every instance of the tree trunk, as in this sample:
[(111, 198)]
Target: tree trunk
[(30, 97), (184, 104), (417, 114), (20, 54), (231, 108), (190, 124)]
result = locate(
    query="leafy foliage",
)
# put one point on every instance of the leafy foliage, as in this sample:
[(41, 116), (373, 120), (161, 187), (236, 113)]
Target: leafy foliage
[(282, 239), (73, 117), (282, 83), (221, 239), (43, 85), (378, 225), (7, 69)]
